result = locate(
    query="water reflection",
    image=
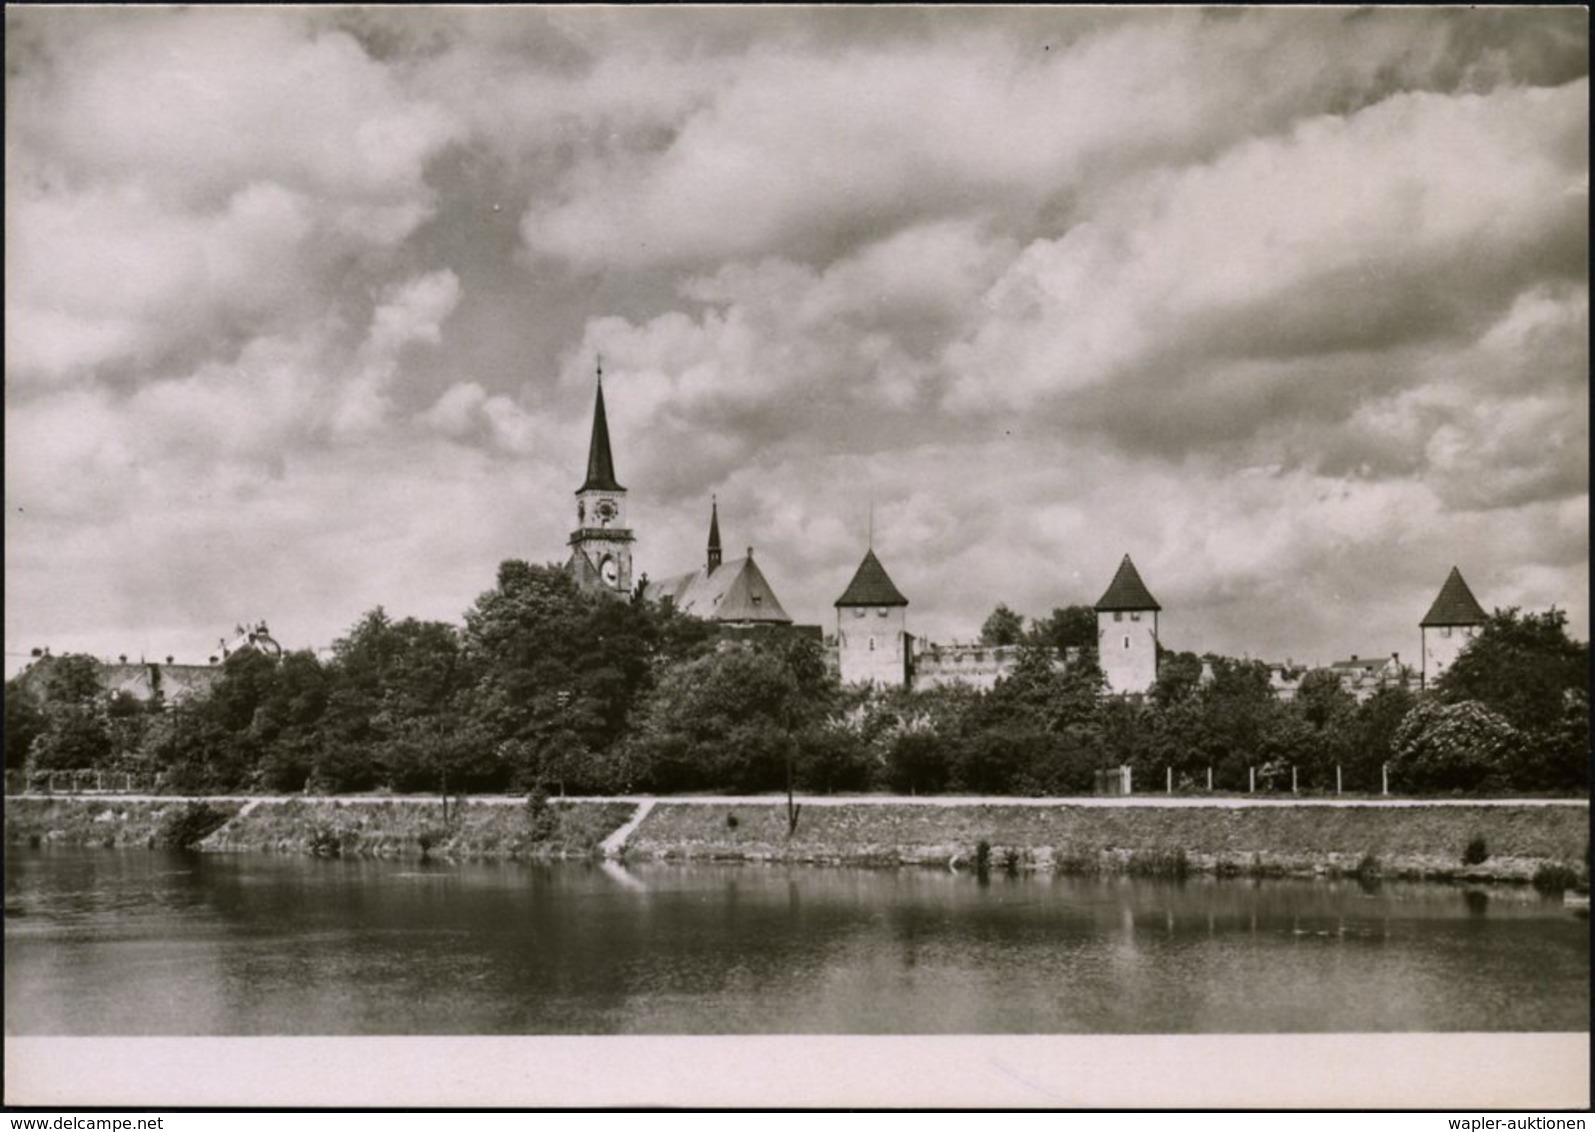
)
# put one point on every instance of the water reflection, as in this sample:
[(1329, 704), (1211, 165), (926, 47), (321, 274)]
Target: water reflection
[(150, 943)]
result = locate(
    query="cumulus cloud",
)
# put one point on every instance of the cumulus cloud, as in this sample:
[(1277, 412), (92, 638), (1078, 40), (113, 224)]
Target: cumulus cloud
[(1290, 305), (175, 176)]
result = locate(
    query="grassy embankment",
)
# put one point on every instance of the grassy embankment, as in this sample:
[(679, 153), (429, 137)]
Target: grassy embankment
[(328, 827), (1267, 840), (1457, 841), (112, 823)]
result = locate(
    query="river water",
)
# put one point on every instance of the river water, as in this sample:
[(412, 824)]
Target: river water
[(104, 942)]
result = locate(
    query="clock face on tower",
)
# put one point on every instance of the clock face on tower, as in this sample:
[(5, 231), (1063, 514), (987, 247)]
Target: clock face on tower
[(609, 571), (606, 511)]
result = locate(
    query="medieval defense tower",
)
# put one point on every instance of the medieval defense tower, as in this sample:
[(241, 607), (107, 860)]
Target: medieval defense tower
[(1127, 633), (871, 639), (1453, 621)]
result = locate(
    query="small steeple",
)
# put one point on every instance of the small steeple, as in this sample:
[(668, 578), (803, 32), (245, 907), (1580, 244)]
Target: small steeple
[(714, 534), (600, 462)]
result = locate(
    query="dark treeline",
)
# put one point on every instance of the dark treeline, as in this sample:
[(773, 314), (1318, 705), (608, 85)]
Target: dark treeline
[(545, 688)]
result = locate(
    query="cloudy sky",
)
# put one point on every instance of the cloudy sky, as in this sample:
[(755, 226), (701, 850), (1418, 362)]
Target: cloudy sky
[(302, 308)]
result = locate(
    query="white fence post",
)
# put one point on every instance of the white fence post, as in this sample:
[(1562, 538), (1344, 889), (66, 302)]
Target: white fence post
[(1251, 773)]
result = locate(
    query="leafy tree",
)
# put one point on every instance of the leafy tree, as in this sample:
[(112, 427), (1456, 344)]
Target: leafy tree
[(247, 680), (72, 679), (832, 757), (75, 736), (1323, 700), (1328, 713), (1557, 757), (391, 684), (288, 721), (1174, 740), (915, 735), (557, 674), (1003, 627), (76, 732), (1448, 747), (1038, 730), (1068, 627), (194, 753), (1179, 677), (1525, 668), (919, 762), (25, 721), (729, 720), (1289, 747), (1236, 709), (1522, 666), (1373, 735)]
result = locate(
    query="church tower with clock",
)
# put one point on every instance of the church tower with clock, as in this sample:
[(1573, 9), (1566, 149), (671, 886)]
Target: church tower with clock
[(600, 546)]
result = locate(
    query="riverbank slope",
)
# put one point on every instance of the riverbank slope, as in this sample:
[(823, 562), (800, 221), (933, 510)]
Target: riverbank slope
[(1459, 840)]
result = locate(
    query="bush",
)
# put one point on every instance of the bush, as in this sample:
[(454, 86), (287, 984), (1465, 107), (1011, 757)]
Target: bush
[(1446, 748), (188, 826), (429, 838), (1370, 871), (1159, 863), (542, 819), (1555, 879), (326, 841), (1476, 853)]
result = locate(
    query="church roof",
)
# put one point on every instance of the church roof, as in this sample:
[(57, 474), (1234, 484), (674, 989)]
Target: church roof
[(735, 591), (1455, 604), (1127, 591), (600, 461), (871, 585)]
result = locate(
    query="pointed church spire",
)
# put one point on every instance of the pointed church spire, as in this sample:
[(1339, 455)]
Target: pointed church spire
[(600, 462), (714, 534)]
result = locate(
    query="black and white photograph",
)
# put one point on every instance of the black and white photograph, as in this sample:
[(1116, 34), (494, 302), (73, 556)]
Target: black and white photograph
[(797, 556)]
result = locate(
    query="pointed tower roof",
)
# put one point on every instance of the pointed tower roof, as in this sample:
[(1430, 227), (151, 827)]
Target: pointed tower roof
[(600, 463), (871, 585), (1127, 591), (1455, 604), (714, 532)]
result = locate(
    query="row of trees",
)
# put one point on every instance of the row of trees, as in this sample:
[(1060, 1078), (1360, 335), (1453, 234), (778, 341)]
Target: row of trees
[(546, 687)]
